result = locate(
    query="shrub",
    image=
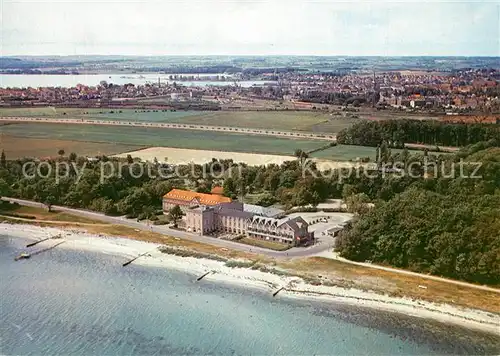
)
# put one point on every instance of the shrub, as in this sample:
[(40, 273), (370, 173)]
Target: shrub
[(240, 264)]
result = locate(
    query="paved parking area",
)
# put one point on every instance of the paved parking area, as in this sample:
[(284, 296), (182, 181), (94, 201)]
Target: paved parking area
[(331, 218)]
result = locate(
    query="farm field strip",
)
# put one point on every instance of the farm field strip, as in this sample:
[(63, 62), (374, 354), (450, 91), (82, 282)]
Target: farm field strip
[(249, 131), (186, 156), (150, 136), (21, 147), (307, 121)]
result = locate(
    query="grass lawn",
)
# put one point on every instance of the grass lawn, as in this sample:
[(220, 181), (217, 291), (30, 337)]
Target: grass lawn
[(265, 244), (253, 198), (43, 214)]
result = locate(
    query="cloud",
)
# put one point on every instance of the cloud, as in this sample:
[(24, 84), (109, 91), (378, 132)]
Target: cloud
[(151, 27)]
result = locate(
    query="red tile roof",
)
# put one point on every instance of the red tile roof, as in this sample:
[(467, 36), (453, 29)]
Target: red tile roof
[(187, 196), (217, 190)]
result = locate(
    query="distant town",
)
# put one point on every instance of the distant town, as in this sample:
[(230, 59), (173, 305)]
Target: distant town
[(433, 91)]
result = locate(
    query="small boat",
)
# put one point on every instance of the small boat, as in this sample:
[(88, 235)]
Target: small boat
[(22, 256)]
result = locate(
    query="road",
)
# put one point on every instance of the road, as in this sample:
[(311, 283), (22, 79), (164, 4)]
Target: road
[(119, 220), (228, 129)]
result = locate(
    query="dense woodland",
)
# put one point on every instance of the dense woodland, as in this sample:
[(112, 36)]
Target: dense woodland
[(445, 226), (430, 132), (448, 226)]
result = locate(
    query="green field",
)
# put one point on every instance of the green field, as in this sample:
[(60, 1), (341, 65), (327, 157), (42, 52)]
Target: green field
[(19, 147), (145, 136), (285, 120), (349, 153), (346, 153)]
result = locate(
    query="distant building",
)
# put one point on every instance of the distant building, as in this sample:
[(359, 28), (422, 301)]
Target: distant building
[(418, 103)]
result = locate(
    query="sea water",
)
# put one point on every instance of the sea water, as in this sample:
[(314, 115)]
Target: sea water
[(65, 301)]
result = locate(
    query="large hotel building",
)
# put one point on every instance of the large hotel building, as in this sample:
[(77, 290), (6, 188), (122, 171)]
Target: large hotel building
[(213, 214)]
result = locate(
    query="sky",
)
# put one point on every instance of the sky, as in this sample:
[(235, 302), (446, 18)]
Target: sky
[(259, 27)]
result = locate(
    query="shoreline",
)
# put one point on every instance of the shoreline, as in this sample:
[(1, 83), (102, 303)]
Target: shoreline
[(219, 272)]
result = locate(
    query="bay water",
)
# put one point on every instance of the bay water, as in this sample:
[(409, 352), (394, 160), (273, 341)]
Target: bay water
[(64, 301), (69, 80)]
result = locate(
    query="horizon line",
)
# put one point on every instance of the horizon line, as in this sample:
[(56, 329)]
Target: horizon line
[(250, 55)]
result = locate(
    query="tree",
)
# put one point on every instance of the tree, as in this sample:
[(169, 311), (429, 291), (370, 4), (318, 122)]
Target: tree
[(229, 188), (405, 155), (347, 191), (3, 160), (49, 201), (60, 152), (242, 188), (73, 157), (130, 160), (385, 153), (300, 154), (266, 200), (287, 179), (5, 189), (175, 214), (357, 203)]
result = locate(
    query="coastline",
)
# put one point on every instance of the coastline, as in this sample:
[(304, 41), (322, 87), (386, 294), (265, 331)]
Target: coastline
[(294, 287)]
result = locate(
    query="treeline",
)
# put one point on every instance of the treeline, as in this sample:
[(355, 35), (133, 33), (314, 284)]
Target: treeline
[(446, 226), (277, 70), (186, 69), (431, 221), (82, 187), (288, 184), (18, 63), (431, 132)]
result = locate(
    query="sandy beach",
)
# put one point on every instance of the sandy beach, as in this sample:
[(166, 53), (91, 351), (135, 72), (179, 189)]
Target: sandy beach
[(294, 287)]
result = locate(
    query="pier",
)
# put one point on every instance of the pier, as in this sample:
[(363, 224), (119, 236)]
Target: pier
[(203, 276), (135, 258), (26, 255), (279, 290), (42, 240)]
